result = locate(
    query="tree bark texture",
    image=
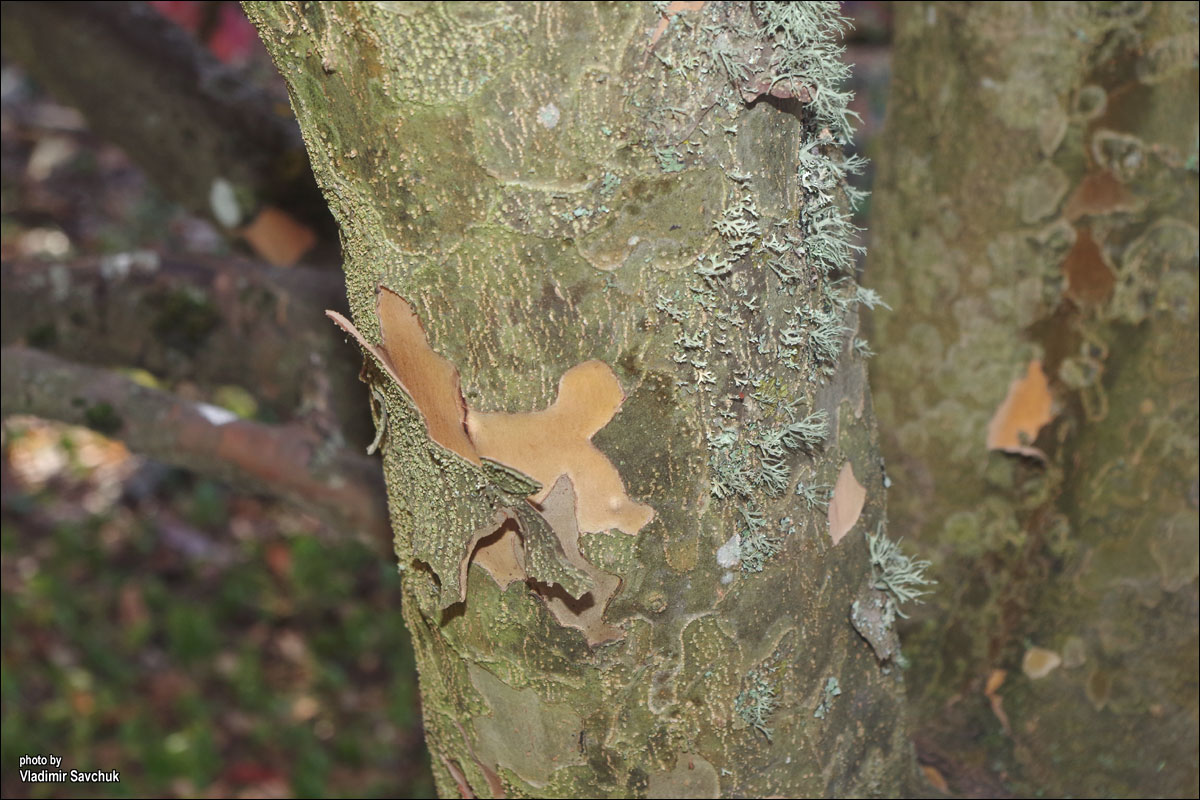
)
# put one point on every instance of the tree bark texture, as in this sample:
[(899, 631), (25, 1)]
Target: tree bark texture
[(1035, 230), (596, 257)]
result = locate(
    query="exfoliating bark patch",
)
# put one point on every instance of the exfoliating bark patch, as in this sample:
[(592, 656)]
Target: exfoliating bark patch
[(546, 481)]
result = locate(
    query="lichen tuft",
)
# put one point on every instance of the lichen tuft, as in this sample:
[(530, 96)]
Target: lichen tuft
[(901, 577)]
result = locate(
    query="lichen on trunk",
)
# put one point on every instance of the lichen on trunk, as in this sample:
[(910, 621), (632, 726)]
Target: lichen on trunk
[(1035, 228), (624, 228)]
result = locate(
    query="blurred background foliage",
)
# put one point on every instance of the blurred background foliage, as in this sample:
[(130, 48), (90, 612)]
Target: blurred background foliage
[(201, 641)]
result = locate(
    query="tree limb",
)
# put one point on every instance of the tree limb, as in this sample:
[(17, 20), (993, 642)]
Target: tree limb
[(228, 322), (342, 487)]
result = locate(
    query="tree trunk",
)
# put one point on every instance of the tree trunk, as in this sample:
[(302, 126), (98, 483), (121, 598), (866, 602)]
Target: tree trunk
[(597, 257), (1035, 229)]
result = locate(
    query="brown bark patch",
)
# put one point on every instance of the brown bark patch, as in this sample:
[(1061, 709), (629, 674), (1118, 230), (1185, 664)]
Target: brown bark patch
[(1098, 193), (557, 441), (1089, 279), (430, 380), (585, 613), (1025, 410), (934, 776), (496, 548), (1040, 662), (991, 690), (582, 490), (541, 444), (500, 549)]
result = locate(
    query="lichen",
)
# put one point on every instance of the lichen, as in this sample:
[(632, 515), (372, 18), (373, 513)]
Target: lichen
[(873, 615), (757, 702), (832, 689), (757, 540), (901, 577), (815, 496), (806, 54)]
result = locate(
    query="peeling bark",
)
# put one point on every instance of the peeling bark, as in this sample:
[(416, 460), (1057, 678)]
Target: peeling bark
[(624, 237), (1035, 219)]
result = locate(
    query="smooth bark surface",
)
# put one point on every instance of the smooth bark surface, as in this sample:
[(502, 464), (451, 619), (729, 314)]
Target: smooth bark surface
[(1035, 230), (618, 233)]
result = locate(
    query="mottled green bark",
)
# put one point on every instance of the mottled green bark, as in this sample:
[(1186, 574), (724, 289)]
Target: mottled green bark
[(549, 185), (1037, 200)]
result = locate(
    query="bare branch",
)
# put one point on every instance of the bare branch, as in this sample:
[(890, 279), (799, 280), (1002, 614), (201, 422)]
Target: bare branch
[(230, 322), (290, 461)]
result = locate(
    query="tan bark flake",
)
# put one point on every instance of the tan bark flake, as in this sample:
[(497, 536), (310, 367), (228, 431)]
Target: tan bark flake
[(583, 492), (846, 505), (991, 690), (557, 441), (585, 613), (541, 444), (1026, 409), (1040, 662), (496, 548), (430, 380)]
